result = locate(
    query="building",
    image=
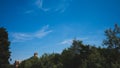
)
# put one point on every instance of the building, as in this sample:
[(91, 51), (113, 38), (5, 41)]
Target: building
[(16, 64), (35, 54)]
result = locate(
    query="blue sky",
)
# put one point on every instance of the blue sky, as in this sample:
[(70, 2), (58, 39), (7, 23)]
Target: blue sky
[(47, 26)]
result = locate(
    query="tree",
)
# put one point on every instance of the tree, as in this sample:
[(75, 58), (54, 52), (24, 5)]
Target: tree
[(51, 61), (112, 42), (74, 56), (46, 61), (95, 59), (29, 63), (4, 48), (112, 38)]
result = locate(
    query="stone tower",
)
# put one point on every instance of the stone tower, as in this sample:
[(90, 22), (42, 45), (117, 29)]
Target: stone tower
[(35, 54), (16, 64)]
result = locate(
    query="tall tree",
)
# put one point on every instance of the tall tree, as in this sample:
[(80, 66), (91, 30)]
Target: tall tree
[(112, 42), (4, 48), (112, 38), (74, 56)]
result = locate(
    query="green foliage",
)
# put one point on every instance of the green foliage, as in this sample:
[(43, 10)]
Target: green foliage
[(51, 61), (4, 48), (46, 61), (29, 62), (113, 38), (95, 59), (112, 42), (75, 55), (78, 55)]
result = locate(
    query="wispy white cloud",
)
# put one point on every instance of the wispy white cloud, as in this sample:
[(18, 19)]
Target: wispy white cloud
[(59, 7), (21, 37), (69, 41), (29, 11), (63, 6), (39, 4), (43, 32)]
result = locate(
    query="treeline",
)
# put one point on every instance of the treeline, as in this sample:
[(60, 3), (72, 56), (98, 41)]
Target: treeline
[(79, 55), (4, 49)]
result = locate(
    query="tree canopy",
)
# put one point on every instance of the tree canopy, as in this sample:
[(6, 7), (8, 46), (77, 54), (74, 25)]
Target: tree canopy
[(79, 55), (4, 48)]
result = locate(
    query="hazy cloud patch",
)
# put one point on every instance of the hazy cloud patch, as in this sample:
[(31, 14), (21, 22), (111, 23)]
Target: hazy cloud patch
[(70, 41), (50, 5), (21, 37), (29, 11)]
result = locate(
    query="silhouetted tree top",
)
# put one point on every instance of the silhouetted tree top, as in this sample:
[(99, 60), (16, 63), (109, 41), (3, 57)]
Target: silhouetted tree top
[(4, 48)]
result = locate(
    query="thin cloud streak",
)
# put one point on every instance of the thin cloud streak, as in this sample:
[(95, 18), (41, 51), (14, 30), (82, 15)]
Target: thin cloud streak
[(61, 7), (42, 5), (66, 42), (43, 32), (70, 41), (39, 4), (29, 11), (21, 37)]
